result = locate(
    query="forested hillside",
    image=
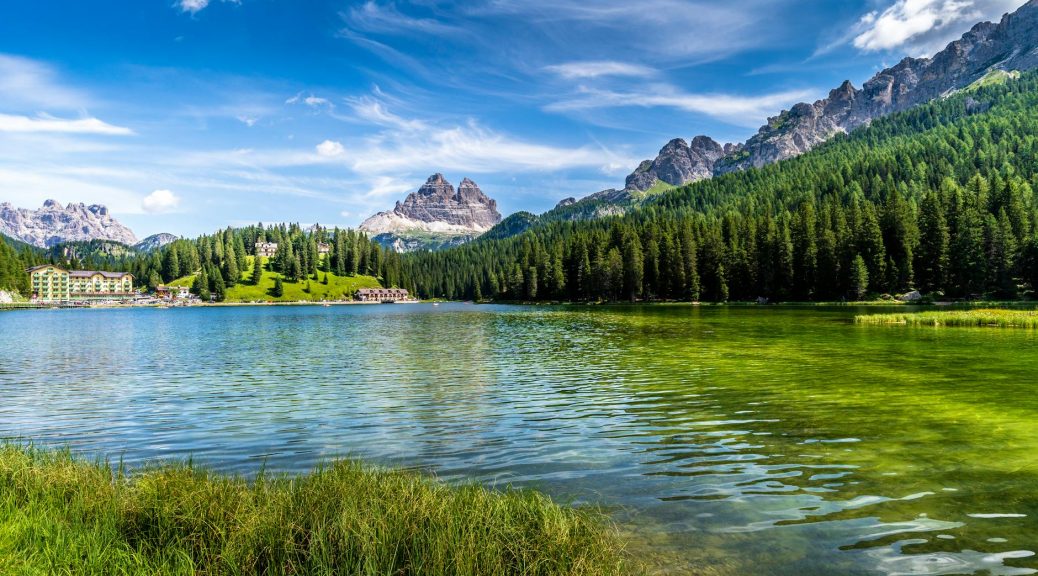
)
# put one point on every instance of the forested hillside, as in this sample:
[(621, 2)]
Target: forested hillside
[(939, 198), (15, 257), (221, 261)]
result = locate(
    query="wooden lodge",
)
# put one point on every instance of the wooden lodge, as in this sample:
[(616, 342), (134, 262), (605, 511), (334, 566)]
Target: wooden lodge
[(266, 249), (382, 295)]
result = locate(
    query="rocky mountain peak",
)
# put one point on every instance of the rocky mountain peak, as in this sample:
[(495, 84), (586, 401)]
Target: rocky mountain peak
[(677, 163), (53, 224), (437, 209), (1012, 44)]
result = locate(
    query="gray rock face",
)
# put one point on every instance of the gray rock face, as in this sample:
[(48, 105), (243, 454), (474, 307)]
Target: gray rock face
[(154, 242), (53, 224), (436, 201), (678, 163), (435, 216), (1010, 45)]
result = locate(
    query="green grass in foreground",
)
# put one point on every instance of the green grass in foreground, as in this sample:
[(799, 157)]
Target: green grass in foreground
[(338, 287), (985, 317), (59, 515)]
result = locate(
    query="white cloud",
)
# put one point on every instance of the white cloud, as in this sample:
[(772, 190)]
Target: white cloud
[(192, 6), (310, 100), (595, 69), (734, 109), (330, 149), (374, 111), (160, 202), (247, 120), (46, 123), (31, 185), (923, 26), (32, 85), (387, 19), (676, 29)]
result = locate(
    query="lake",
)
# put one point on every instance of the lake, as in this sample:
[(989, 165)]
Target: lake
[(723, 440)]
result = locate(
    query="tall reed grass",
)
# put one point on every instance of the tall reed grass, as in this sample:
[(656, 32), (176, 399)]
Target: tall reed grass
[(61, 515), (987, 317)]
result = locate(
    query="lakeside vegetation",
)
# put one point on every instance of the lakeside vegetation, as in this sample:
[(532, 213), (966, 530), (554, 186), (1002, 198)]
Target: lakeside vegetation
[(60, 515), (968, 318)]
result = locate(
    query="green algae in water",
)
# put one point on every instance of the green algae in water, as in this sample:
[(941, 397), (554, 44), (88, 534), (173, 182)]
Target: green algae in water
[(750, 440)]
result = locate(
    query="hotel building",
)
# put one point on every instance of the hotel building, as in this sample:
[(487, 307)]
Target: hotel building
[(53, 284)]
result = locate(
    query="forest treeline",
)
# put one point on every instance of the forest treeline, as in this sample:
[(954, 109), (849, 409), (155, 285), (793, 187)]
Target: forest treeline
[(938, 199), (219, 261)]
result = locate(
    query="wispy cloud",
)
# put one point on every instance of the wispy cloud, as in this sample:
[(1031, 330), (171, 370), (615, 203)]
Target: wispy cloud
[(46, 123), (309, 99), (382, 18), (598, 68), (669, 28), (923, 26), (734, 109), (33, 85)]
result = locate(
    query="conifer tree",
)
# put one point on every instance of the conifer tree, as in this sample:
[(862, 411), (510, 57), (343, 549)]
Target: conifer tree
[(257, 270)]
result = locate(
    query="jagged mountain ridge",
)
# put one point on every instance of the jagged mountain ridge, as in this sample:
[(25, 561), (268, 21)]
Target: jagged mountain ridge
[(1009, 45), (436, 216), (55, 224), (154, 242)]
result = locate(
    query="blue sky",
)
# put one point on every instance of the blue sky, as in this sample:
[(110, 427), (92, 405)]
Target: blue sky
[(189, 115)]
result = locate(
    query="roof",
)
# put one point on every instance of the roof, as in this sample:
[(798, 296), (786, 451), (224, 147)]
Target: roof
[(92, 273), (35, 268), (380, 290)]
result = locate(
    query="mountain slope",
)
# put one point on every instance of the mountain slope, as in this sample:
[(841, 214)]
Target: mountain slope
[(937, 198), (1009, 46), (155, 242)]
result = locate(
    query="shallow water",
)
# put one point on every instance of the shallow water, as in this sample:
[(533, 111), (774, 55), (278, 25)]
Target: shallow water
[(724, 440)]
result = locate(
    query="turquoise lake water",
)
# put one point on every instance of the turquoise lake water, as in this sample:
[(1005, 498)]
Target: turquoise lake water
[(741, 440)]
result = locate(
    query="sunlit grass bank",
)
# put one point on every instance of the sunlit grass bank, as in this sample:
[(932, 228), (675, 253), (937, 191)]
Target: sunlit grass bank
[(60, 515), (986, 317)]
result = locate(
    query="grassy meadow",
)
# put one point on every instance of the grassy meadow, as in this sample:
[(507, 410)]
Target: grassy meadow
[(995, 318), (338, 287), (60, 515)]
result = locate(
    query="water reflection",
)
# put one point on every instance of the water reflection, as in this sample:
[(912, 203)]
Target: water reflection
[(732, 441)]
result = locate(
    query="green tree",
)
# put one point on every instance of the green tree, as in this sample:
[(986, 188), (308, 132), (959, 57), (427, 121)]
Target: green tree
[(934, 239), (257, 270), (859, 278), (279, 288)]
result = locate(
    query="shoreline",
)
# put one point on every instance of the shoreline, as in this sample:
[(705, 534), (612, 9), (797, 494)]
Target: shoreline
[(67, 513), (867, 303)]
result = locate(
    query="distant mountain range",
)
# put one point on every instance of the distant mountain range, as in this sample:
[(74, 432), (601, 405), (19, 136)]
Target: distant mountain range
[(988, 52), (434, 217), (54, 225)]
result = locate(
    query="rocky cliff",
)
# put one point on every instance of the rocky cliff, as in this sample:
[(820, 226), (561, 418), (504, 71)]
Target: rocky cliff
[(154, 242), (54, 224), (1010, 45), (435, 216)]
